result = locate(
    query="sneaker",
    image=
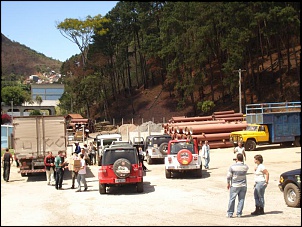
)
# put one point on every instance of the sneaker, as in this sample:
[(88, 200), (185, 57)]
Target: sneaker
[(238, 215), (229, 216), (78, 190), (85, 189), (48, 183), (72, 187)]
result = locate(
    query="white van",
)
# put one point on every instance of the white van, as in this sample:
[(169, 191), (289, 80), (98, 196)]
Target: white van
[(104, 140)]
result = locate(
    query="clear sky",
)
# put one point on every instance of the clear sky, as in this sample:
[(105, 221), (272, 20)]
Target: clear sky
[(33, 23)]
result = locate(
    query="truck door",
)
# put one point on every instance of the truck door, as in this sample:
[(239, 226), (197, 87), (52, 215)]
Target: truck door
[(263, 134)]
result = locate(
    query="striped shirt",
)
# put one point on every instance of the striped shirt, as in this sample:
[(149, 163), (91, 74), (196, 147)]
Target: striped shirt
[(237, 174)]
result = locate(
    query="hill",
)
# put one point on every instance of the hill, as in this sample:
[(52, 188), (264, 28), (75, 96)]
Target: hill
[(20, 60)]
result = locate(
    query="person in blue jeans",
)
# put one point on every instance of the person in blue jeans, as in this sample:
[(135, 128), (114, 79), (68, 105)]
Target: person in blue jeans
[(59, 164), (237, 184), (261, 182), (205, 153)]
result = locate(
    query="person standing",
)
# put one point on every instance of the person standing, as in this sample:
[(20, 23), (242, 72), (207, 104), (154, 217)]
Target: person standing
[(205, 152), (92, 153), (239, 149), (59, 164), (74, 172), (77, 149), (7, 160), (82, 174), (49, 162), (261, 182), (141, 158), (237, 184)]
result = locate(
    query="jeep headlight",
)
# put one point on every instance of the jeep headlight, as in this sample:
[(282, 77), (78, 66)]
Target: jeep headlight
[(281, 179)]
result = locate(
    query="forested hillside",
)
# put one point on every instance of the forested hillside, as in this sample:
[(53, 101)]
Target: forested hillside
[(19, 61), (162, 59)]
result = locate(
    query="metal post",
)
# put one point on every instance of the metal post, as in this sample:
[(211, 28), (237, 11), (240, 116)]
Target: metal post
[(240, 108)]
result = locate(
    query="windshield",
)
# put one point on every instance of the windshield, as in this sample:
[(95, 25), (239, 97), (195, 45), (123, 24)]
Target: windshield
[(110, 156), (176, 147), (251, 128)]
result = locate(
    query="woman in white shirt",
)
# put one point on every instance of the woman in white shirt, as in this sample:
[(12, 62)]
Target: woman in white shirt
[(261, 182)]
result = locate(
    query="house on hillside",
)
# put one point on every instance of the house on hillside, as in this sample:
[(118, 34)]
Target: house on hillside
[(75, 122)]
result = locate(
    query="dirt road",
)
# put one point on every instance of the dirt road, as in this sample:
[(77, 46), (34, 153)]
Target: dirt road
[(186, 201)]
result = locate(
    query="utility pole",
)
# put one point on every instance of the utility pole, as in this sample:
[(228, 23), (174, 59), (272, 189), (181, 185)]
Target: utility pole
[(239, 71), (12, 103)]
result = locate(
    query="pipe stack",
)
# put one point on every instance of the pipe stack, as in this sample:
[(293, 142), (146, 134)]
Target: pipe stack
[(215, 128)]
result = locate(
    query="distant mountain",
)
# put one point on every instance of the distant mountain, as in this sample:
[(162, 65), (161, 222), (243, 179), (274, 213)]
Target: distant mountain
[(20, 60)]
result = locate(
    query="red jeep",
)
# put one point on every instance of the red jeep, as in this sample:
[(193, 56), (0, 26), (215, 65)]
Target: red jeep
[(182, 156), (120, 166)]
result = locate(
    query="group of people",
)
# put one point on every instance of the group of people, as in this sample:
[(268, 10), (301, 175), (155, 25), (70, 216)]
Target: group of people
[(89, 152), (55, 167), (237, 184)]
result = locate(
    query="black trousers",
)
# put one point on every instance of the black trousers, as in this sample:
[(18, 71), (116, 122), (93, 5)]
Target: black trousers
[(59, 177), (6, 170)]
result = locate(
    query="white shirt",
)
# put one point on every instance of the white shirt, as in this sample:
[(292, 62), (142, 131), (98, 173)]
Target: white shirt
[(83, 164), (259, 175)]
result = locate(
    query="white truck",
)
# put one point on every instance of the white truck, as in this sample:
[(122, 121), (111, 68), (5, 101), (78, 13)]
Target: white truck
[(34, 137)]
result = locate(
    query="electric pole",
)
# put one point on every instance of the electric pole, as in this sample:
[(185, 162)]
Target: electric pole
[(239, 71)]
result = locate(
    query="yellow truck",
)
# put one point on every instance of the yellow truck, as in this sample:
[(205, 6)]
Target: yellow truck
[(270, 123)]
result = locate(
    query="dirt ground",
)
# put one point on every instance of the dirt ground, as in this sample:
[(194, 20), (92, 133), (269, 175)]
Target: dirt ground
[(184, 200)]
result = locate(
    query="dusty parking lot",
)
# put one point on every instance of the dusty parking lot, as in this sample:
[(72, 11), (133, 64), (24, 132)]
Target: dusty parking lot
[(184, 200)]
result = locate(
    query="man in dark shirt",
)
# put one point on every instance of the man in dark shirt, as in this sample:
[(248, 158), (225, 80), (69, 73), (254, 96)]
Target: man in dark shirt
[(77, 148), (7, 160), (49, 162)]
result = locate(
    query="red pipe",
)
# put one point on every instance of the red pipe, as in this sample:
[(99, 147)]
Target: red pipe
[(224, 112), (215, 128), (212, 136)]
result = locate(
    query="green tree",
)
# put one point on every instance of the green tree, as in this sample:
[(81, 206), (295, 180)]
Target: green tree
[(35, 112), (15, 94)]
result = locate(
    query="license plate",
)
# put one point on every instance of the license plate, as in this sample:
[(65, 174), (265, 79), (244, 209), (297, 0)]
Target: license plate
[(120, 180), (184, 167)]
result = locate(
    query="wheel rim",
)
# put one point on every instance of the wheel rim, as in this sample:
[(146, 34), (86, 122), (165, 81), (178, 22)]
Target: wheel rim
[(291, 195)]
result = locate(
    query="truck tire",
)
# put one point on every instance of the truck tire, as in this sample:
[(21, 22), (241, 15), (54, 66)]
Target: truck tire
[(292, 195), (122, 168), (297, 141), (102, 188), (163, 148), (250, 145), (198, 172), (168, 173)]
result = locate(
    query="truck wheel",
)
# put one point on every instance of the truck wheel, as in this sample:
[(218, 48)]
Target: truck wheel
[(149, 160), (198, 172), (102, 188), (297, 141), (292, 195), (140, 187), (250, 145), (168, 173)]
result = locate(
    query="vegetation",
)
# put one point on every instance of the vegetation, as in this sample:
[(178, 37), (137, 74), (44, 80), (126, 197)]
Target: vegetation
[(192, 49)]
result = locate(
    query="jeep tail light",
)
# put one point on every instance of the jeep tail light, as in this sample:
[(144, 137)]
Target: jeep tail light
[(169, 159), (103, 169)]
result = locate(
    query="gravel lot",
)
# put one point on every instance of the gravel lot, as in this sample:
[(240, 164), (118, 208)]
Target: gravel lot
[(184, 200)]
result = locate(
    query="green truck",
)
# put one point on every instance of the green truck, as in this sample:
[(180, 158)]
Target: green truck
[(270, 123)]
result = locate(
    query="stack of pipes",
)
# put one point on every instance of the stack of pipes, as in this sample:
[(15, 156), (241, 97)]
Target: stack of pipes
[(215, 128)]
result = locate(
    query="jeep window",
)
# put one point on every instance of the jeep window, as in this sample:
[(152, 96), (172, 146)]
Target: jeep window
[(108, 141), (110, 156), (176, 147)]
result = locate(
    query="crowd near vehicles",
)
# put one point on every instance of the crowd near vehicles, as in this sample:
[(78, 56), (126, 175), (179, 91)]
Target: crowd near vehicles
[(270, 123), (290, 185), (182, 156), (34, 137), (156, 147), (120, 166)]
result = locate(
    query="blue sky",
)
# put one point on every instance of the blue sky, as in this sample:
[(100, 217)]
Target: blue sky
[(33, 23)]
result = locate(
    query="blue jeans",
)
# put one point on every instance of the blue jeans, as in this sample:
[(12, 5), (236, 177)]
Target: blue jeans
[(259, 190), (241, 192), (81, 178), (59, 177), (206, 162)]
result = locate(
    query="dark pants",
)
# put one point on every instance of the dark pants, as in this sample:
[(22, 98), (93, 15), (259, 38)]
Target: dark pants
[(74, 176), (141, 159), (92, 159), (59, 177), (6, 170)]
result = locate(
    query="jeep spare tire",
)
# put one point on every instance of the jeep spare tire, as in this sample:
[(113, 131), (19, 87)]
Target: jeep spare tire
[(122, 168), (163, 148), (184, 157)]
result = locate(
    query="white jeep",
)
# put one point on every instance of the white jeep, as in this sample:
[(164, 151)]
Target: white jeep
[(182, 156)]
